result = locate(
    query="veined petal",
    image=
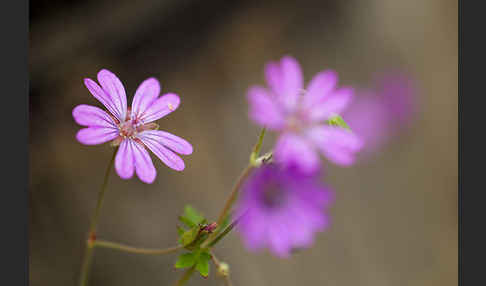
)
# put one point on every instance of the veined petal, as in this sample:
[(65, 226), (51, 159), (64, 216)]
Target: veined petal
[(103, 97), (292, 150), (147, 92), (285, 80), (337, 144), (114, 88), (96, 135), (165, 155), (144, 167), (169, 140), (93, 116), (160, 108), (319, 88), (332, 104), (124, 161), (264, 110)]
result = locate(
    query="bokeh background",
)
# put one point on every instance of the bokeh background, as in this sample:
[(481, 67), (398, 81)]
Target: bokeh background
[(394, 221)]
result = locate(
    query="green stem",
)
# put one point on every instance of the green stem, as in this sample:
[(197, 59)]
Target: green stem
[(257, 148), (222, 234), (131, 249), (88, 254), (185, 277), (234, 192), (217, 262)]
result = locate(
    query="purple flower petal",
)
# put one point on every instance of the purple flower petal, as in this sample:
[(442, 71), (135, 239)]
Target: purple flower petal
[(144, 166), (337, 144), (147, 92), (115, 90), (286, 80), (124, 162), (96, 135), (263, 109), (279, 242), (157, 147), (160, 108), (169, 140), (292, 150), (332, 104), (102, 97), (87, 115), (319, 88)]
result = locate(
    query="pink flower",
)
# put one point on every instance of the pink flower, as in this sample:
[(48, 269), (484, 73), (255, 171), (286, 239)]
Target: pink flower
[(282, 209), (131, 129), (300, 116)]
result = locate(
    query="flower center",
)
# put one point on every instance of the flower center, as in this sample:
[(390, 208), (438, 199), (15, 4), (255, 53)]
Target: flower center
[(273, 196), (127, 129)]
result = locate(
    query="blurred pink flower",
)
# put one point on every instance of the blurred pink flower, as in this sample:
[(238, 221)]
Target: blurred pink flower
[(132, 129), (282, 209), (300, 116), (379, 113)]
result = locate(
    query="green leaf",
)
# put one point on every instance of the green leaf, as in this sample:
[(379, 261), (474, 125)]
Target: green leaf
[(185, 260), (180, 230), (191, 214), (189, 236), (187, 221), (203, 264), (338, 121)]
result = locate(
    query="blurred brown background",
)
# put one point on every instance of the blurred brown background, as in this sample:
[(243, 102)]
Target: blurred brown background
[(395, 217)]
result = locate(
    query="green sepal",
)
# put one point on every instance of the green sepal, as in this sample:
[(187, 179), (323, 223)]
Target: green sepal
[(337, 120)]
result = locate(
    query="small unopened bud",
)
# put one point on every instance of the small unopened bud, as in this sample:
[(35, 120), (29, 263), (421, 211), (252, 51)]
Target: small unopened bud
[(223, 269), (210, 227)]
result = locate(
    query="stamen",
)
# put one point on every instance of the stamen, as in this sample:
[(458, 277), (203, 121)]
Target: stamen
[(170, 106)]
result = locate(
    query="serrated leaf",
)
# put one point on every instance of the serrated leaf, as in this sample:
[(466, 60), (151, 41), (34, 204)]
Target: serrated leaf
[(203, 264), (185, 260), (191, 214), (338, 121)]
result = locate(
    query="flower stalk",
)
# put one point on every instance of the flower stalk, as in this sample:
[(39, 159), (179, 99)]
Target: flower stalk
[(131, 249), (88, 255)]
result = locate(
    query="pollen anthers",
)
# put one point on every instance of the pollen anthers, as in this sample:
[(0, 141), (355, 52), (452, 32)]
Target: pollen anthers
[(170, 106)]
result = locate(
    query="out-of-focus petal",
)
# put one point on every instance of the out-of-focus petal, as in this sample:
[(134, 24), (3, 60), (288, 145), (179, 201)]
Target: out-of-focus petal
[(285, 80), (115, 90), (319, 88), (169, 140), (165, 155), (160, 108), (144, 166), (146, 93), (292, 150), (279, 243), (337, 144), (124, 161), (332, 104), (87, 115), (96, 135), (264, 110)]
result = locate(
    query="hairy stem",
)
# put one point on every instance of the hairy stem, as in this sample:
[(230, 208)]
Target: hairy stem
[(131, 249), (88, 254)]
